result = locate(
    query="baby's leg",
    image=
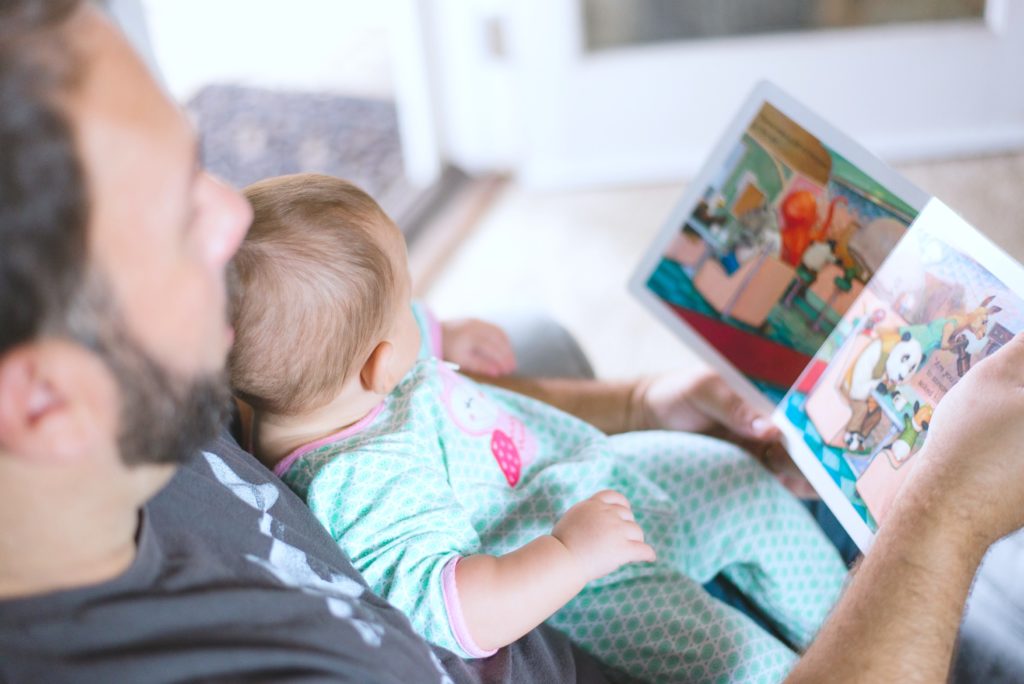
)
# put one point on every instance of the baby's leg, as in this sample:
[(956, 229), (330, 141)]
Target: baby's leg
[(658, 625), (728, 514)]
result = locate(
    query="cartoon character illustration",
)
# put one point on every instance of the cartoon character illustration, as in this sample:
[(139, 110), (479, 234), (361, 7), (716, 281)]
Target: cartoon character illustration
[(512, 445), (888, 361), (800, 225), (958, 329), (855, 438), (760, 225), (706, 213), (958, 346), (948, 332), (759, 220), (913, 427), (470, 408), (731, 239), (815, 258), (844, 254), (818, 255), (975, 321), (899, 402)]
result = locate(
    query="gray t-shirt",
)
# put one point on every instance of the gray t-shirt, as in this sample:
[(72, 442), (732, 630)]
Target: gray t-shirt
[(235, 579)]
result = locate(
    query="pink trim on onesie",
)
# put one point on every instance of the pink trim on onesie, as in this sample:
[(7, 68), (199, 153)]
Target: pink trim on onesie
[(454, 607), (284, 464), (434, 329)]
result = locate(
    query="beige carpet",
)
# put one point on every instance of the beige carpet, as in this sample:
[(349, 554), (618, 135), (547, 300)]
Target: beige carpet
[(569, 254)]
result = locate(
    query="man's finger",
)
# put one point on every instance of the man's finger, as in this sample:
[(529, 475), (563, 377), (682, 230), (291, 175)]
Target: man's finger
[(491, 366), (731, 410), (798, 486), (763, 429), (775, 456), (496, 358), (502, 351)]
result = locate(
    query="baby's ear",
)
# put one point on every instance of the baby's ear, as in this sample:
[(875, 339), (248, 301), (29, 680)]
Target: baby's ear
[(376, 374)]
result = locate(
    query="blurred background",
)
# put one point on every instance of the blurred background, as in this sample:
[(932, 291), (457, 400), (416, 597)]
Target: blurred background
[(532, 149)]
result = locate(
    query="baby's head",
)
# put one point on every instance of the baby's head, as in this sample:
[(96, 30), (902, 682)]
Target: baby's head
[(320, 299)]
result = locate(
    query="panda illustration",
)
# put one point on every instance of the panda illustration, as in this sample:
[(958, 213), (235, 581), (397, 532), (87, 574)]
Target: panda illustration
[(885, 363)]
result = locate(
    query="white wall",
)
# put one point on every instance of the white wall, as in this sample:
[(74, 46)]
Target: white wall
[(559, 116), (357, 48), (318, 45)]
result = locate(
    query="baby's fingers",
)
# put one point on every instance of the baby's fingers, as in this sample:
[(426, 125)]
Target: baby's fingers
[(633, 532), (639, 552), (610, 496)]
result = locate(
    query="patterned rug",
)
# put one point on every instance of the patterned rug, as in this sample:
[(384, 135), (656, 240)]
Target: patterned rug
[(248, 134)]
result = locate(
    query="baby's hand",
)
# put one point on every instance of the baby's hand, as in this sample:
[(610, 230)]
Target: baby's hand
[(602, 534), (477, 346)]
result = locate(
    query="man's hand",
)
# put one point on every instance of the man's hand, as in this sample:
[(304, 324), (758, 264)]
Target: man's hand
[(704, 403), (478, 347), (965, 492), (972, 462), (602, 534)]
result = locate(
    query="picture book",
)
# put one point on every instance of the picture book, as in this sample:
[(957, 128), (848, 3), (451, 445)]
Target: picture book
[(832, 294)]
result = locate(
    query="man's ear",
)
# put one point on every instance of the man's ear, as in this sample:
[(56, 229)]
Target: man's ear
[(376, 374), (57, 402)]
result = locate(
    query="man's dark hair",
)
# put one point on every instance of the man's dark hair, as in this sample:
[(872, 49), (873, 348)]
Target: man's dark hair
[(46, 285), (43, 197)]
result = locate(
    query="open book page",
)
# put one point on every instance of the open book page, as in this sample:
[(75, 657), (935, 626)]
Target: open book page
[(772, 244), (944, 300)]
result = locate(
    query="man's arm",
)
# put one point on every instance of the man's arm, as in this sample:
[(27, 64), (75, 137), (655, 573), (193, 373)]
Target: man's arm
[(611, 406), (898, 619), (690, 401), (695, 400)]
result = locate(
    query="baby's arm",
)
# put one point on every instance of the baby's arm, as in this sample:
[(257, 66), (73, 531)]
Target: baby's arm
[(391, 508), (504, 597)]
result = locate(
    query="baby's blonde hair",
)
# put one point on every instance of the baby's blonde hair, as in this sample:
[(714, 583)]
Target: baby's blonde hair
[(312, 291)]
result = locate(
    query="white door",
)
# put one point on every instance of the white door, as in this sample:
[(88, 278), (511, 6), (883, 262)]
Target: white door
[(526, 86)]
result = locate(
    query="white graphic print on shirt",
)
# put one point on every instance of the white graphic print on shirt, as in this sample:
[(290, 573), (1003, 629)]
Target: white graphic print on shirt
[(291, 565)]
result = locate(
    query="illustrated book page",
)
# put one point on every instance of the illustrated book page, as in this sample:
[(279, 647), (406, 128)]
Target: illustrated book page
[(772, 243), (943, 300)]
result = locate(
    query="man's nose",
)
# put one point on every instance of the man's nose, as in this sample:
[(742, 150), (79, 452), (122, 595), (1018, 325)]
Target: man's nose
[(230, 218)]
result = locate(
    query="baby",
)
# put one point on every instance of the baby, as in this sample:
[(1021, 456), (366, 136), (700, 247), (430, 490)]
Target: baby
[(481, 513)]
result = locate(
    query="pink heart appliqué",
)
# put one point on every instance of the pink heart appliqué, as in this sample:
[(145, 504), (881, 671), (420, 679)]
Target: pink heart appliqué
[(507, 455)]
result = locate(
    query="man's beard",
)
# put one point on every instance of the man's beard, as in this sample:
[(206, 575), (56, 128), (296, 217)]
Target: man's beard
[(164, 417)]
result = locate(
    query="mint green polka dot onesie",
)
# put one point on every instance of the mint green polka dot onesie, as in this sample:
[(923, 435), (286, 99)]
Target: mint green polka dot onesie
[(445, 468)]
